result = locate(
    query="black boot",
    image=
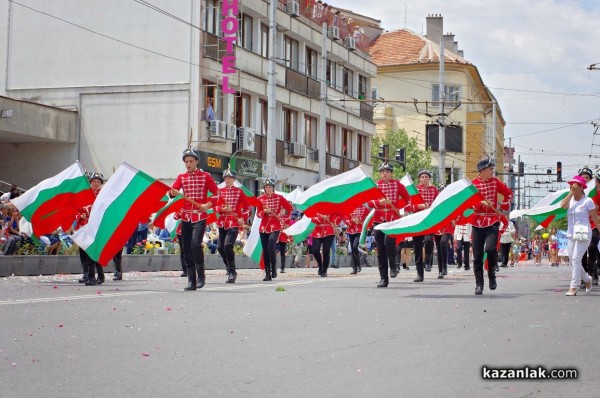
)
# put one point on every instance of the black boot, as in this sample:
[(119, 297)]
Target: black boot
[(404, 266), (478, 289), (85, 276), (191, 275), (267, 277), (383, 283), (232, 272), (324, 273), (100, 272), (118, 270), (394, 269), (445, 270), (419, 278), (91, 281), (493, 284), (274, 271), (440, 275), (201, 276), (354, 271)]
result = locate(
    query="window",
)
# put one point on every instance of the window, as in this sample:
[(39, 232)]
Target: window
[(374, 93), (454, 138), (452, 93), (363, 87), (263, 117), (310, 132), (242, 114), (245, 32), (331, 73), (264, 40), (291, 53), (211, 96), (290, 128), (311, 62), (451, 175), (330, 131), (210, 22), (348, 81), (361, 154), (346, 143)]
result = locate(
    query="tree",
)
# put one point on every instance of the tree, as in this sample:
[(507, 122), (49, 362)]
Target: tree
[(416, 158)]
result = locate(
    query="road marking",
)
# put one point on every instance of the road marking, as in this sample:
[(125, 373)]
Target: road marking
[(237, 287), (82, 297)]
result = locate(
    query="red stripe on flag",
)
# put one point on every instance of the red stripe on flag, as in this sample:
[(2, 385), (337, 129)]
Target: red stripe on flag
[(345, 207), (140, 210), (60, 211)]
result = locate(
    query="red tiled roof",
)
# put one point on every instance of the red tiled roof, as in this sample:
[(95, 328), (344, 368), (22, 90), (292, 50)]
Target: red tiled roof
[(403, 47)]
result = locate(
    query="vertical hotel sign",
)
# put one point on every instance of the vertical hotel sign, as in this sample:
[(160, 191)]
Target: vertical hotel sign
[(229, 27)]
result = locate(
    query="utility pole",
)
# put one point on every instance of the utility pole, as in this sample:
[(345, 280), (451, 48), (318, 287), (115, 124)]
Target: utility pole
[(494, 130), (323, 110), (441, 125), (271, 96), (519, 188)]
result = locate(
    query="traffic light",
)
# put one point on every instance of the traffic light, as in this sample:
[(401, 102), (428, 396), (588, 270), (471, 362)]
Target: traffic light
[(559, 171), (521, 169), (401, 155), (384, 151)]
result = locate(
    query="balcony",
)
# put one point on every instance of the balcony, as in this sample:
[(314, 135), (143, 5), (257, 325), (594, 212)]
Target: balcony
[(302, 84), (366, 112)]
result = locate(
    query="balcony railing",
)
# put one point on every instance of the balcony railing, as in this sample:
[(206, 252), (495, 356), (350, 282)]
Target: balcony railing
[(366, 112), (302, 84)]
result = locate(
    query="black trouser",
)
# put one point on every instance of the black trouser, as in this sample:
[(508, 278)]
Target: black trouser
[(504, 253), (463, 246), (118, 258), (441, 242), (418, 243), (323, 262), (591, 256), (485, 240), (227, 238), (182, 254), (268, 242), (90, 266), (192, 234), (386, 253), (282, 252), (354, 242)]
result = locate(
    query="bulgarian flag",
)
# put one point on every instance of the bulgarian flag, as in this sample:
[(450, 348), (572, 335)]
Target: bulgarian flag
[(253, 247), (172, 206), (366, 226), (415, 196), (300, 229), (340, 194), (129, 197), (449, 204), (55, 201), (171, 225)]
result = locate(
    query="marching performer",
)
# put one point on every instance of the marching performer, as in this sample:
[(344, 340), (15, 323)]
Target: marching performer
[(486, 222), (196, 185), (89, 265), (272, 209), (323, 235), (355, 221), (386, 210), (234, 209), (428, 192)]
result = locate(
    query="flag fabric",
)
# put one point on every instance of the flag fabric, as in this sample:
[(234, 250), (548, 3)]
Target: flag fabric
[(366, 226), (546, 209), (449, 204), (55, 201), (172, 206), (413, 192), (300, 229), (292, 196), (130, 196), (253, 246), (171, 225), (340, 194)]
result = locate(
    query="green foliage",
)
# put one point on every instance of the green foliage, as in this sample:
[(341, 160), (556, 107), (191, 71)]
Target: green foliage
[(416, 158), (27, 249), (280, 289)]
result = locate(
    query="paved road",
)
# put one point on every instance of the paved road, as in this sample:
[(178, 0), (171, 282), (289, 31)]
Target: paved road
[(321, 337)]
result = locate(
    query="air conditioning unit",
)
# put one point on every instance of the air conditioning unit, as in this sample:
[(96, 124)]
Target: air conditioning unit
[(314, 155), (217, 130), (350, 43), (297, 150), (246, 139), (231, 133), (293, 8), (333, 32)]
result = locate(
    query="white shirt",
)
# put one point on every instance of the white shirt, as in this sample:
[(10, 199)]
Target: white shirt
[(463, 232), (507, 235), (578, 213)]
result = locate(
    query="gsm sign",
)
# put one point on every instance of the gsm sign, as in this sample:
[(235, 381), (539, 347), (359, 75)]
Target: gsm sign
[(214, 162)]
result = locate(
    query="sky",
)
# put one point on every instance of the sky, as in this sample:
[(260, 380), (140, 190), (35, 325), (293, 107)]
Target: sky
[(533, 55)]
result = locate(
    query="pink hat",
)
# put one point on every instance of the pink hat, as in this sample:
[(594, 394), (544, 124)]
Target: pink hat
[(578, 180)]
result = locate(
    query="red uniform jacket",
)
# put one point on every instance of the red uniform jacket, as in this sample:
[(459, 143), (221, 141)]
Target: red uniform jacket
[(196, 186), (485, 216), (356, 219), (235, 198), (325, 226), (397, 193), (281, 209)]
